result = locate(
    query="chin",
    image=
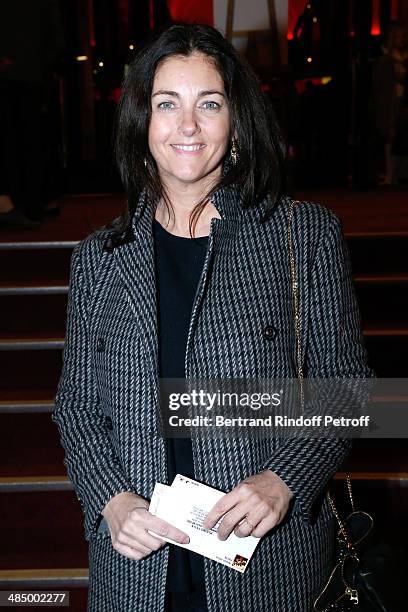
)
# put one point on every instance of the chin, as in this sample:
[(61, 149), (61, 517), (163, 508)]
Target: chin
[(188, 176)]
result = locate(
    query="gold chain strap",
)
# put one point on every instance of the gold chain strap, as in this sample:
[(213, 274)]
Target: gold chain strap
[(295, 295)]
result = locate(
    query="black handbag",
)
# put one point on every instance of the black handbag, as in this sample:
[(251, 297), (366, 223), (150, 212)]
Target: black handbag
[(368, 575)]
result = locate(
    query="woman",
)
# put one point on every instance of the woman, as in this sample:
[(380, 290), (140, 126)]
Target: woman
[(196, 139)]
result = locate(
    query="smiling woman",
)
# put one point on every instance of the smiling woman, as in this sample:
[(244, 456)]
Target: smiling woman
[(198, 142)]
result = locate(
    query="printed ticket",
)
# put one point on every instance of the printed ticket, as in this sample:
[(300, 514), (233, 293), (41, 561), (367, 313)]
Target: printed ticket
[(185, 504)]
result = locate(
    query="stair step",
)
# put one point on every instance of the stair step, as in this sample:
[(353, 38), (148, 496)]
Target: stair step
[(35, 483), (374, 456), (37, 245), (29, 344), (15, 396), (26, 407), (387, 353), (44, 577), (75, 580), (381, 279), (385, 331), (32, 289), (33, 315), (31, 372), (30, 445), (42, 266), (382, 303), (378, 254), (41, 529)]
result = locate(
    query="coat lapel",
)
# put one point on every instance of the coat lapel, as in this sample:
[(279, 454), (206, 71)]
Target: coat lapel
[(135, 264)]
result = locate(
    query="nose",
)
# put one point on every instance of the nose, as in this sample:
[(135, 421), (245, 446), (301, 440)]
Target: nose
[(188, 123)]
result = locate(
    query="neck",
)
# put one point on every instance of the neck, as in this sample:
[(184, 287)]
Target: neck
[(183, 200)]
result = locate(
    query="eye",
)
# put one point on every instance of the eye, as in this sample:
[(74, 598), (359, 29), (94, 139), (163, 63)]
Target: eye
[(215, 106), (164, 106)]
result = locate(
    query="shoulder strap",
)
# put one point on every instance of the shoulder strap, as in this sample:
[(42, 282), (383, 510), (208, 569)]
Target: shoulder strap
[(295, 300)]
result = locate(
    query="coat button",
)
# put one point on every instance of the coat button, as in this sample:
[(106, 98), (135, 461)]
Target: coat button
[(100, 345), (269, 332), (108, 423)]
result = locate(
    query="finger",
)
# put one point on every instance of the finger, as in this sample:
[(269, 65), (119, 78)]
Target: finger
[(135, 521), (150, 541), (163, 528), (253, 517), (137, 533), (130, 542), (267, 524), (245, 528), (131, 553), (222, 506), (232, 519)]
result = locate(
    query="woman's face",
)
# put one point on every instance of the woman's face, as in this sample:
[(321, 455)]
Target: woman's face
[(190, 123)]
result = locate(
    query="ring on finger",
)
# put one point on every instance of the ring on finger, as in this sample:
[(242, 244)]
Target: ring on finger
[(248, 523)]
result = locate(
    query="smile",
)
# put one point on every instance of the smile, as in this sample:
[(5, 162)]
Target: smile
[(188, 148)]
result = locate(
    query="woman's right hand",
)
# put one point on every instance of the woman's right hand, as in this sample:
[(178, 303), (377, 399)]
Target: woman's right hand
[(128, 518)]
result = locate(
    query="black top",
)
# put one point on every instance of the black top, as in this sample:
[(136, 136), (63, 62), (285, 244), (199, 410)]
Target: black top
[(179, 263)]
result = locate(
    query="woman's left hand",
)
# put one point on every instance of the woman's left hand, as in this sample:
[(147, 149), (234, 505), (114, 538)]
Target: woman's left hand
[(261, 500)]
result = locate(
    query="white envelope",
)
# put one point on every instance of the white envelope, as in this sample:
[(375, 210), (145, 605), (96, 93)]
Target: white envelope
[(185, 504)]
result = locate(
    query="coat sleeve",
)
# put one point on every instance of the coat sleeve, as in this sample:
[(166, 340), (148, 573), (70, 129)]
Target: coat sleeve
[(335, 349), (90, 459)]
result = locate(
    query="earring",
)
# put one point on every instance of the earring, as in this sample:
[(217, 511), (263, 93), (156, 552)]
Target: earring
[(145, 162), (234, 152)]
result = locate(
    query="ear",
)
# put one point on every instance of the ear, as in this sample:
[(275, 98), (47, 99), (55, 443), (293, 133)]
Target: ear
[(233, 133)]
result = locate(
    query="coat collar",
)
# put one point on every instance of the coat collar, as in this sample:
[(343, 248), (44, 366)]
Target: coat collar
[(227, 201)]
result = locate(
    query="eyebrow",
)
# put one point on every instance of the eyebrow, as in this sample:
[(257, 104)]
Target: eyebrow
[(205, 92)]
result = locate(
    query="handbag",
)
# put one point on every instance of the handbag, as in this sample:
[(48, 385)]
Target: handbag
[(365, 576)]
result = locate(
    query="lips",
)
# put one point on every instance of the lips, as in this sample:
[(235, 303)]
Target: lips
[(191, 148)]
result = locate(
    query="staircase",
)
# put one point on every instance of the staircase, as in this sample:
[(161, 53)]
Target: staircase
[(40, 519), (41, 534)]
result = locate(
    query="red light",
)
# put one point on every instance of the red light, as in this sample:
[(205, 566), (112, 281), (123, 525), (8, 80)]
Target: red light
[(376, 18), (290, 36)]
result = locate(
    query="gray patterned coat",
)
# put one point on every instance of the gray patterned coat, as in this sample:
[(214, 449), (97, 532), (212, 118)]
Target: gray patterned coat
[(107, 396)]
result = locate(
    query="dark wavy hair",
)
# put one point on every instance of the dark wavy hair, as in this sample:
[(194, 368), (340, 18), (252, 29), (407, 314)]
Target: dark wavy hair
[(260, 168)]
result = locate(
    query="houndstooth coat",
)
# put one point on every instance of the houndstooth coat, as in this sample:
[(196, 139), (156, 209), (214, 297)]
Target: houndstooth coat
[(241, 326)]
